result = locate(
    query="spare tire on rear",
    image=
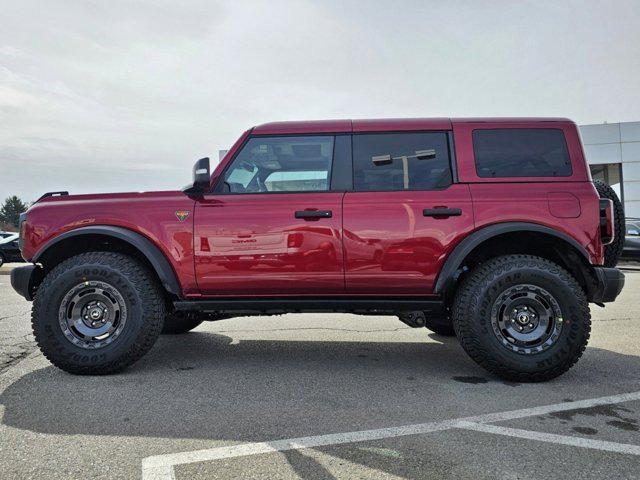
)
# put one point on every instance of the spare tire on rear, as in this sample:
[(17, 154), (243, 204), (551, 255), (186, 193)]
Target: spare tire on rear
[(613, 251)]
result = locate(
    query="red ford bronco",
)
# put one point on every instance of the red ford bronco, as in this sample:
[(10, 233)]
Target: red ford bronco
[(488, 229)]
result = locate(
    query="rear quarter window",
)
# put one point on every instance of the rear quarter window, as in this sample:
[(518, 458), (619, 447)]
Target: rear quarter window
[(521, 152)]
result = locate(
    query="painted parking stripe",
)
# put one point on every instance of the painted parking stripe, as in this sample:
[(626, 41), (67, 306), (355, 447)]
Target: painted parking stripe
[(160, 467), (553, 438), (556, 407), (157, 467)]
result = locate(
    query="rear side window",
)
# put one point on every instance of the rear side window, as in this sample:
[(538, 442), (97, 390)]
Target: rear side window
[(521, 152), (401, 161)]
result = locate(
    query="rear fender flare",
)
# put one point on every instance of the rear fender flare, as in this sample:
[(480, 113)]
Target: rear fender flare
[(449, 271)]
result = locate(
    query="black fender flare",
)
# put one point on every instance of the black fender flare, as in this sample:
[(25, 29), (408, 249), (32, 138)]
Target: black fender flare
[(153, 254), (453, 263)]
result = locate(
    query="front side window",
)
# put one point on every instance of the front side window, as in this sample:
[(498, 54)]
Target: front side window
[(521, 152), (401, 161), (281, 164)]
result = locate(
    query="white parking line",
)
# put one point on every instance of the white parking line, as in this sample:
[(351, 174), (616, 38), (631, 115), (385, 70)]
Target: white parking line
[(553, 438), (157, 467), (160, 467)]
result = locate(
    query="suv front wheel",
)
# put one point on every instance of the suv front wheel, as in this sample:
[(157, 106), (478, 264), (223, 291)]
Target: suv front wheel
[(97, 313), (522, 317)]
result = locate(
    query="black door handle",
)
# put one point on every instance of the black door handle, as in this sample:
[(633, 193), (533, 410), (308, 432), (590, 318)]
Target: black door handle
[(313, 214), (442, 212)]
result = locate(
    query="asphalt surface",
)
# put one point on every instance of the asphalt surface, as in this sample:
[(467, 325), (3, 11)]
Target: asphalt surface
[(268, 379)]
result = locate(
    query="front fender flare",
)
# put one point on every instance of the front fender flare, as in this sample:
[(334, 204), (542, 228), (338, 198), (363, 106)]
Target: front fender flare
[(152, 253)]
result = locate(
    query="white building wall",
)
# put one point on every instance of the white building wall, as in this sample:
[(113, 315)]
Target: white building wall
[(617, 143)]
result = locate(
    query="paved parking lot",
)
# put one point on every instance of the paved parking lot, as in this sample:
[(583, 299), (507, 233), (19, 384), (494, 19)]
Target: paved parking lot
[(319, 397)]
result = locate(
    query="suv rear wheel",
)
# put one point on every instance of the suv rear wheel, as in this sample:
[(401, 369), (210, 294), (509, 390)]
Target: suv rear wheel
[(522, 317), (97, 313)]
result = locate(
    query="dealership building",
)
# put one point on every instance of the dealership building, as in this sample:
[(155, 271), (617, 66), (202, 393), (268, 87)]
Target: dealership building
[(613, 153)]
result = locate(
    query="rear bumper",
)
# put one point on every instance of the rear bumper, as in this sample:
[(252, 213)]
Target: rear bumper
[(21, 280), (608, 286)]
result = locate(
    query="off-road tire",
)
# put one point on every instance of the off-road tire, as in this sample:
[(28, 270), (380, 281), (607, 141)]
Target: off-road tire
[(472, 317), (613, 251), (142, 296), (176, 323)]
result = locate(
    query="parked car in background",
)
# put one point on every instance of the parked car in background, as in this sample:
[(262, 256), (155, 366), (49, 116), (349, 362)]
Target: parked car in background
[(9, 249), (631, 248)]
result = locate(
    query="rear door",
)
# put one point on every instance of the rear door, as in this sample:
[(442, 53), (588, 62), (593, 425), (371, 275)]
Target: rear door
[(405, 214), (273, 226)]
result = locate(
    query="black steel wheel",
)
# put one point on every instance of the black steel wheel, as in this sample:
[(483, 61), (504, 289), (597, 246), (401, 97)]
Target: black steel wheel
[(522, 317), (526, 319), (92, 314)]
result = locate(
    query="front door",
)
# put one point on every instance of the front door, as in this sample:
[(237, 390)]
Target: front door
[(273, 226), (405, 213)]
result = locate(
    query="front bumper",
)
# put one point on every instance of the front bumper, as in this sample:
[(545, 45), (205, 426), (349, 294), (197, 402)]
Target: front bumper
[(22, 280), (609, 283)]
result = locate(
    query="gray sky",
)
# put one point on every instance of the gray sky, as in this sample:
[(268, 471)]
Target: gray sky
[(111, 95)]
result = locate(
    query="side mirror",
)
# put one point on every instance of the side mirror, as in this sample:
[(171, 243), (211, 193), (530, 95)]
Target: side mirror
[(201, 174), (201, 178)]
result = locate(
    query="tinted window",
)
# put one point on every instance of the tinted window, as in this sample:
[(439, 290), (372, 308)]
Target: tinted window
[(521, 152), (281, 164), (403, 170)]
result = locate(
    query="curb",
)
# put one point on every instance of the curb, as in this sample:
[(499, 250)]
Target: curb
[(6, 268)]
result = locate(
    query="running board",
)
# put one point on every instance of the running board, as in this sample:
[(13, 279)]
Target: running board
[(372, 305)]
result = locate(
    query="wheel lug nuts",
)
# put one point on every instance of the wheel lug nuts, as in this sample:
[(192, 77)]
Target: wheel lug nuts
[(531, 325)]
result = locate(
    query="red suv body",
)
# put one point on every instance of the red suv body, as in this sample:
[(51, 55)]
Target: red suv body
[(364, 216)]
